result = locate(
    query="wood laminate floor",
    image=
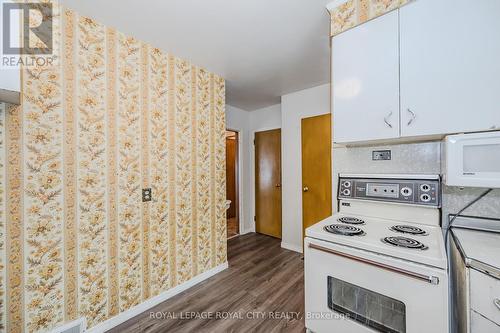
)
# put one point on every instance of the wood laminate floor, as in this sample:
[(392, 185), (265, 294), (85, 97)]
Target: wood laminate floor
[(261, 291)]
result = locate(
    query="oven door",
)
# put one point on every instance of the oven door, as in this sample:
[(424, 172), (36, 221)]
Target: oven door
[(351, 290)]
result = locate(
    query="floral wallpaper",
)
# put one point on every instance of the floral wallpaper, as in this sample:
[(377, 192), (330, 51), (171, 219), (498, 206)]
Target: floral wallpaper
[(113, 116), (351, 13), (2, 217)]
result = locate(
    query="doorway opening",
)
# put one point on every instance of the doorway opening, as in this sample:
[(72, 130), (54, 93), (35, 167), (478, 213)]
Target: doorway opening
[(232, 183)]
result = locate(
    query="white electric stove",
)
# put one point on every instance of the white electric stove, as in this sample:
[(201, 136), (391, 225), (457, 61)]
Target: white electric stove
[(379, 265)]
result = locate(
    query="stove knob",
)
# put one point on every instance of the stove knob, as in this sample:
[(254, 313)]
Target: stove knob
[(425, 197), (425, 187), (346, 184), (406, 191), (346, 192)]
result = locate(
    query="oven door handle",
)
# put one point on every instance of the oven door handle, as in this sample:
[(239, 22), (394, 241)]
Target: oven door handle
[(422, 277)]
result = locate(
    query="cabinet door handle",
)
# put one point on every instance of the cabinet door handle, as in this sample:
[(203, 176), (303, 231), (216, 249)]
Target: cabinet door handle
[(496, 301), (386, 119), (413, 116), (305, 189)]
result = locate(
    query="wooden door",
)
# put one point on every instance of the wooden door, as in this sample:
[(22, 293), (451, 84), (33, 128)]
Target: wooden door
[(231, 172), (365, 75), (268, 182), (450, 72), (316, 170), (232, 183)]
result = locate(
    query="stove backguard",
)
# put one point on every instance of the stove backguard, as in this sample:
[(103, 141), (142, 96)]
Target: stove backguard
[(422, 191)]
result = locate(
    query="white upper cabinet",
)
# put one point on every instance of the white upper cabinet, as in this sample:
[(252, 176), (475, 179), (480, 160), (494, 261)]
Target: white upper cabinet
[(450, 66), (365, 74), (426, 70)]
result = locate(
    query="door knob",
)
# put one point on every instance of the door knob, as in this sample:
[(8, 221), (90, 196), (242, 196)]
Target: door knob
[(305, 189), (278, 185)]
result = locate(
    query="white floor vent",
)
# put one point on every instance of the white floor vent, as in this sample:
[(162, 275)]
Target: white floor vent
[(76, 326)]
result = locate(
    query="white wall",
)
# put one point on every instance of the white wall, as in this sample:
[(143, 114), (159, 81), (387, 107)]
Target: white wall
[(287, 116), (302, 104), (266, 118), (247, 123), (239, 120)]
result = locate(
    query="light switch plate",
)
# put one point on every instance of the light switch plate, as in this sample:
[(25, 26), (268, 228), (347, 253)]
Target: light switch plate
[(146, 194), (381, 155)]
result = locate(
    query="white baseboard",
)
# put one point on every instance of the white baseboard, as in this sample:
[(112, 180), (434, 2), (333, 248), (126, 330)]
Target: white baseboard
[(247, 231), (291, 247), (81, 323), (148, 304)]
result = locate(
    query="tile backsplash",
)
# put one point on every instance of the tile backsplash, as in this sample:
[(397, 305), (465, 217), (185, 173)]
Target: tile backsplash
[(415, 158), (454, 199)]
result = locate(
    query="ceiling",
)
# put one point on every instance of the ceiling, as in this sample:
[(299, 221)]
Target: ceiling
[(263, 48)]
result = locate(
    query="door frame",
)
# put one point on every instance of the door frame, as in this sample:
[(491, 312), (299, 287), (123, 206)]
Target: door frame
[(253, 171), (239, 187)]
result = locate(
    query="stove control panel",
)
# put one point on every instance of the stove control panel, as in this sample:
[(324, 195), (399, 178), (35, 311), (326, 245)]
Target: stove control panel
[(426, 192)]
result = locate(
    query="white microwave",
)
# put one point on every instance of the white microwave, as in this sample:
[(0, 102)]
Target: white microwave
[(472, 160)]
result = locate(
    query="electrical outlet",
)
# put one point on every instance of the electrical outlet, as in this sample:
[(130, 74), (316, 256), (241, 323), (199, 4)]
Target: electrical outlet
[(381, 155), (146, 194)]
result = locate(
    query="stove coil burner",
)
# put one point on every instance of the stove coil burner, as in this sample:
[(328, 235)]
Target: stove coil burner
[(408, 229), (404, 242), (350, 220), (345, 230)]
